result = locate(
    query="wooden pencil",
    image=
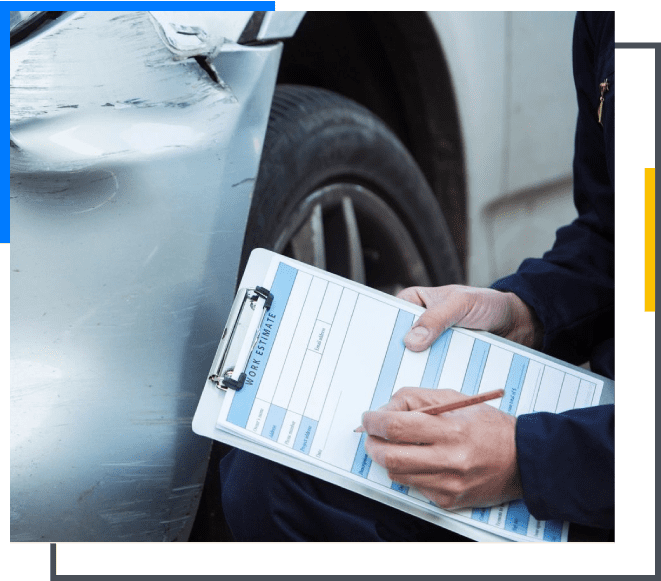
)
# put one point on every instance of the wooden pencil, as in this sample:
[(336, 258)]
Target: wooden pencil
[(434, 410)]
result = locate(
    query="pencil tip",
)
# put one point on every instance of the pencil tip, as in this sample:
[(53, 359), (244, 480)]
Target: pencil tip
[(359, 429)]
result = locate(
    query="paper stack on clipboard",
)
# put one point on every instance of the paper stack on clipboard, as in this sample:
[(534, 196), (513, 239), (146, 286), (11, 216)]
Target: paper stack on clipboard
[(306, 352)]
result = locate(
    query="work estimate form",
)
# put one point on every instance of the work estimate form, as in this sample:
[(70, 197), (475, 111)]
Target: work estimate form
[(327, 350)]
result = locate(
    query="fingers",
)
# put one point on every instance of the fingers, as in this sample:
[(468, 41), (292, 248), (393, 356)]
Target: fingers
[(406, 399), (419, 337), (413, 294), (398, 421), (443, 489), (401, 426), (443, 311), (446, 306), (450, 488), (469, 307), (400, 458), (414, 398), (463, 457)]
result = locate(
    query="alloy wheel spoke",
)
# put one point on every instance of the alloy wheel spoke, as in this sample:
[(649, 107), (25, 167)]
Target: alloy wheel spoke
[(308, 243), (356, 259)]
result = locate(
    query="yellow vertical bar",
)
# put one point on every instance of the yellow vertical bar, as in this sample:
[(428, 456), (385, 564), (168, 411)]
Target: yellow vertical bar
[(650, 240)]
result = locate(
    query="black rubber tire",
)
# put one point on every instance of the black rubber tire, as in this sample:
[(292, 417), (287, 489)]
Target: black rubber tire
[(316, 138)]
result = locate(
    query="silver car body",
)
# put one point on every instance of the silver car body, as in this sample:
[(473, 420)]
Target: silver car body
[(135, 145)]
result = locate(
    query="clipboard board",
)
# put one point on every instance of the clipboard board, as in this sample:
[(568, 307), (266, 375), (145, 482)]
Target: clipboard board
[(230, 369)]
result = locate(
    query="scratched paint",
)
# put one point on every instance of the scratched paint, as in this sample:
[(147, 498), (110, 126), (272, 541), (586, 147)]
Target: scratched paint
[(126, 238), (104, 84), (81, 63)]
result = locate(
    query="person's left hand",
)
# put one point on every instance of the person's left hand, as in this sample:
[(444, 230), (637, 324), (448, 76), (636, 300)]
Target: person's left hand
[(463, 458)]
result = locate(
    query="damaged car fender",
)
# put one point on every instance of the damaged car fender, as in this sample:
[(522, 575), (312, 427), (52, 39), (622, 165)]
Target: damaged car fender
[(132, 170)]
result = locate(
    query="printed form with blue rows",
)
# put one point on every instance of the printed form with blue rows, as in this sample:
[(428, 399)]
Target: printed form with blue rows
[(325, 352)]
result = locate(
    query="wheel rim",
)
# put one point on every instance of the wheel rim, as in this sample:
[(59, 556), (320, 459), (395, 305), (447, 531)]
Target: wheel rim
[(347, 229)]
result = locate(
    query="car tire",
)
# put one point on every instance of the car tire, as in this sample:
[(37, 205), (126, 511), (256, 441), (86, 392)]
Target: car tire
[(338, 190)]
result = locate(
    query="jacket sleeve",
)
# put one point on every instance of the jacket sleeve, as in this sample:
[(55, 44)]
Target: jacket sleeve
[(567, 460), (566, 465), (571, 288)]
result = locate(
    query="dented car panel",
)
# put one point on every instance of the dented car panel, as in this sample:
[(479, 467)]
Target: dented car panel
[(132, 169)]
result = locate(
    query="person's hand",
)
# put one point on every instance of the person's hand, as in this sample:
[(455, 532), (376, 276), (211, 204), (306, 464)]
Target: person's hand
[(458, 459), (501, 313)]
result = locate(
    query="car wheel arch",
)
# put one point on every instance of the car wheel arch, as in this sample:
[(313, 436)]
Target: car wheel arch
[(421, 108)]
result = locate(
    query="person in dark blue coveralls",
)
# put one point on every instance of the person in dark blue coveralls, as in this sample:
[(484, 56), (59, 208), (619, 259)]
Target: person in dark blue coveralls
[(561, 465)]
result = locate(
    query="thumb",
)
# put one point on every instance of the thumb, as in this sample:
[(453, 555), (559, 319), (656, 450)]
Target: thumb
[(425, 331), (446, 308)]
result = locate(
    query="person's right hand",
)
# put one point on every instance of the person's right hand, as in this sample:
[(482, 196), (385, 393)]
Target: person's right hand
[(501, 313)]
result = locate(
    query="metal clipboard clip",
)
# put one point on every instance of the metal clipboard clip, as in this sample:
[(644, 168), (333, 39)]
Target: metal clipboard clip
[(240, 315)]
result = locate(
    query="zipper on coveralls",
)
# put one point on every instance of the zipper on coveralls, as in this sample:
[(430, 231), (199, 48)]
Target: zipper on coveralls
[(604, 87)]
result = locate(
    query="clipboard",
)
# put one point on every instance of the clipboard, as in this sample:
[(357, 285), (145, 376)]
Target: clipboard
[(232, 337), (229, 371)]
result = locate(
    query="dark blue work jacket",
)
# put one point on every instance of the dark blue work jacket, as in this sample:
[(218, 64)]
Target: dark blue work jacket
[(567, 460)]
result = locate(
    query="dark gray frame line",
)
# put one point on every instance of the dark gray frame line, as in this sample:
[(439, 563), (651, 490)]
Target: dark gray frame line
[(657, 163), (655, 46)]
